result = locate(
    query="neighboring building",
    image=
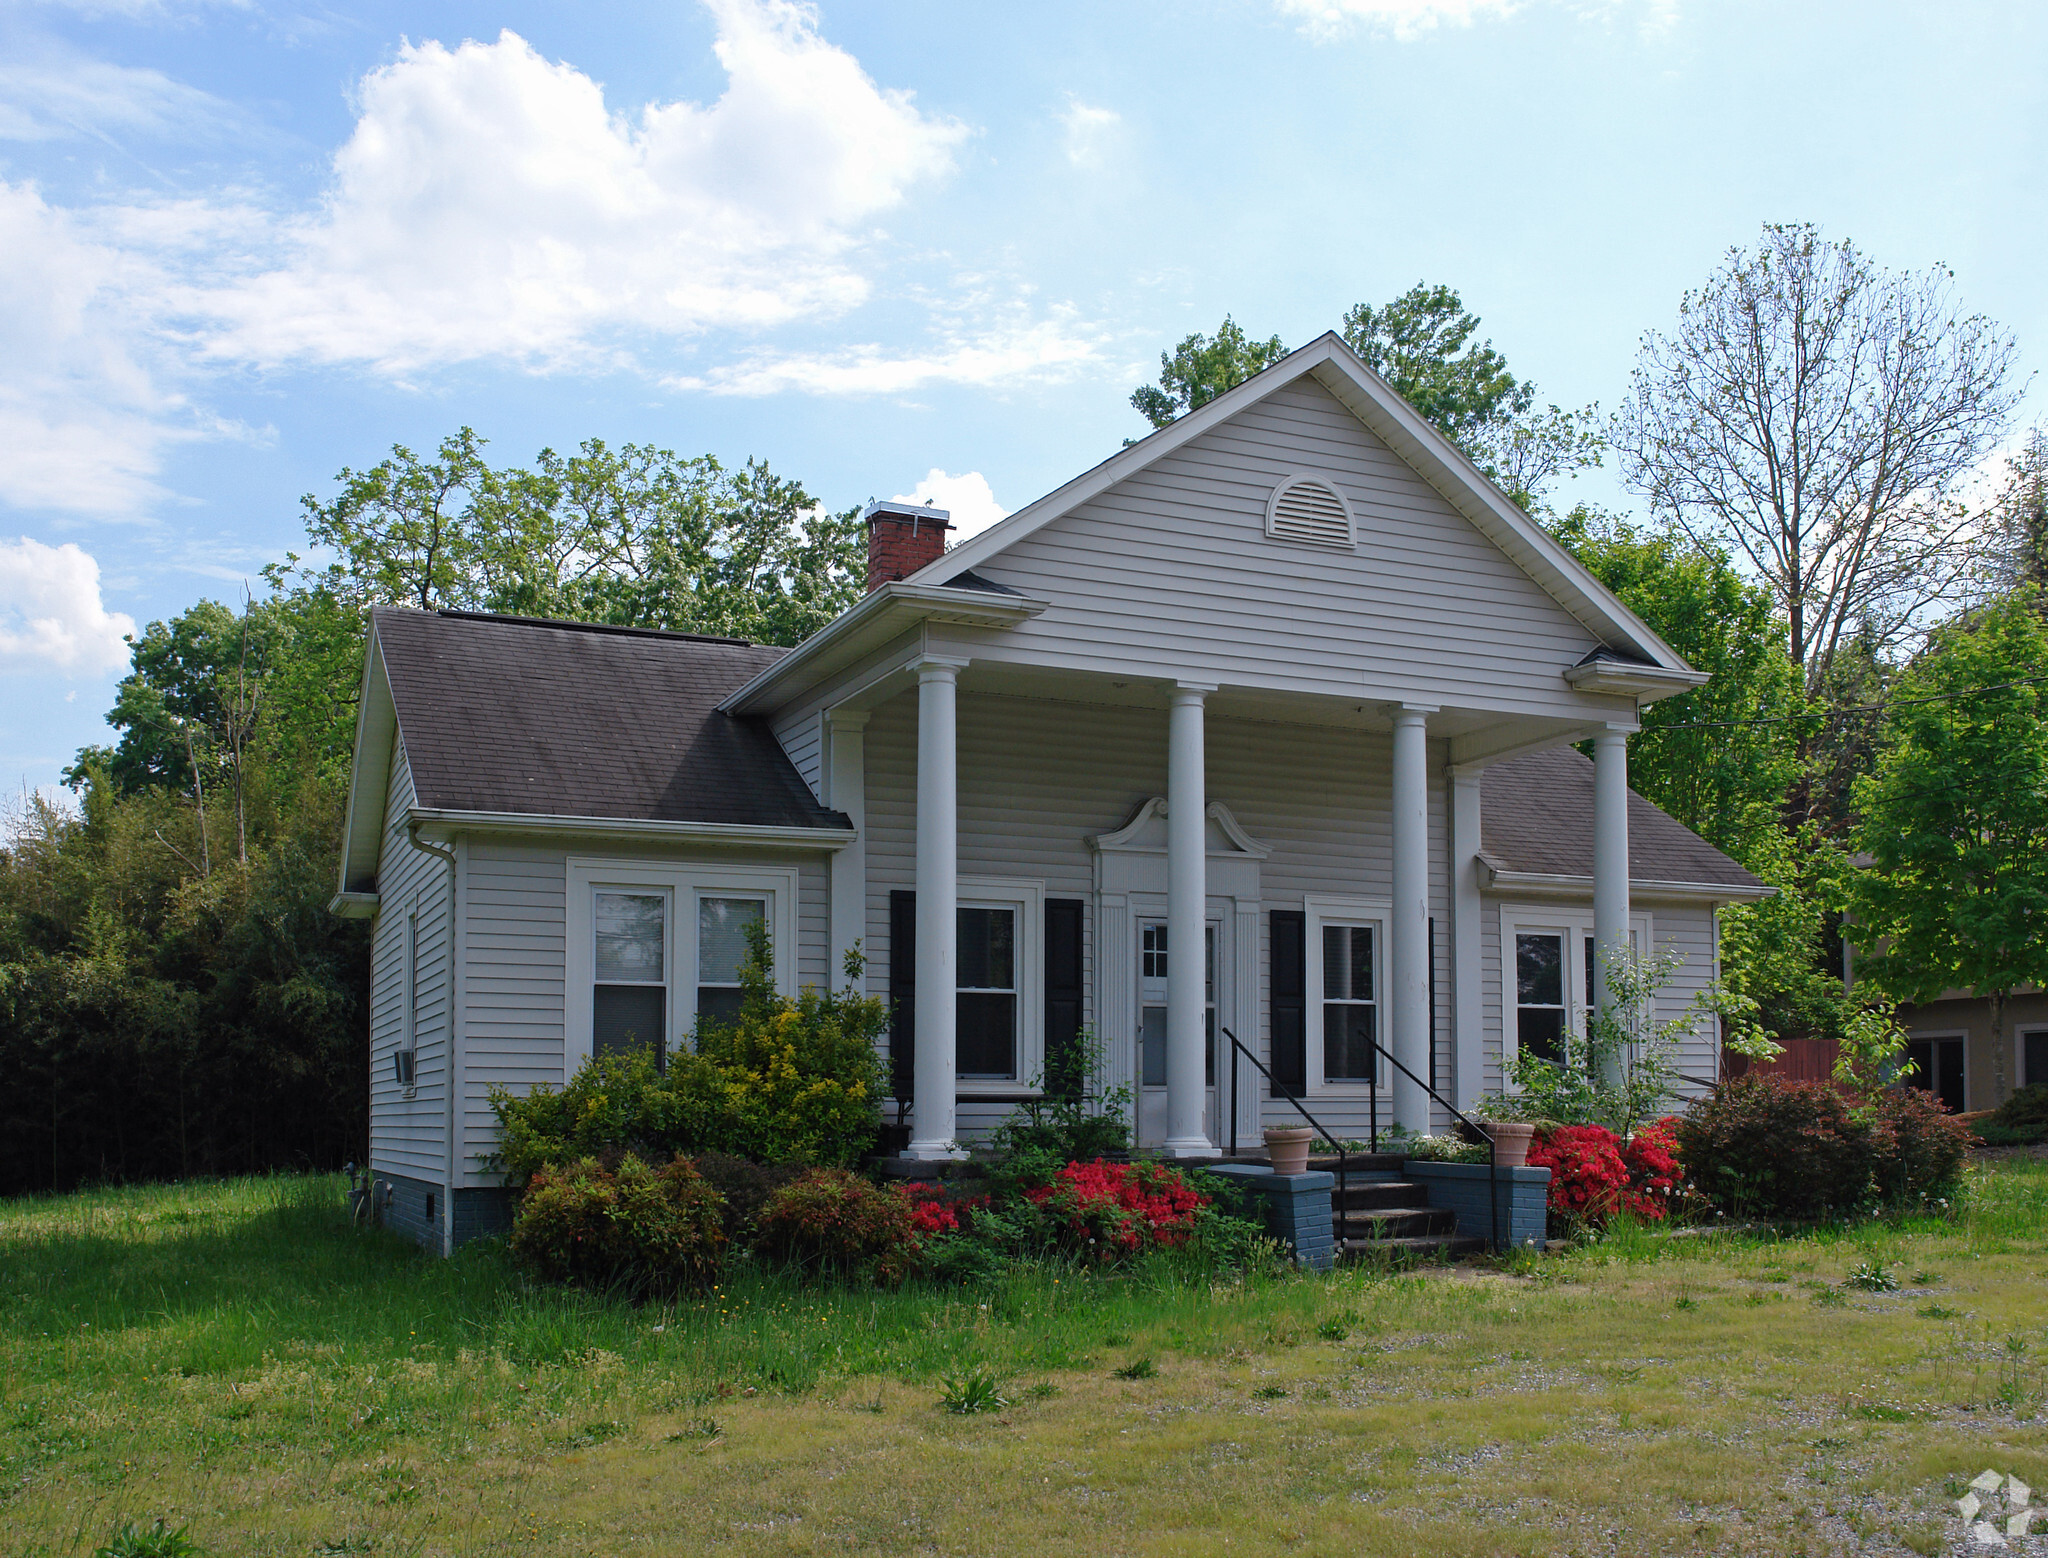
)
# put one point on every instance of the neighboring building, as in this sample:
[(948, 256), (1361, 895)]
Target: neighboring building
[(1952, 1047), (1288, 681)]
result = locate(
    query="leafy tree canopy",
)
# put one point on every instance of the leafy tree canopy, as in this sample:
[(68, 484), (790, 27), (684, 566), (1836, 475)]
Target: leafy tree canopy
[(1203, 367), (1954, 818)]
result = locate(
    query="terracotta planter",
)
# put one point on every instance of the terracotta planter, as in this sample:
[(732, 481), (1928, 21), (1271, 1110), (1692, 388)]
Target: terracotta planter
[(1287, 1146), (1511, 1141)]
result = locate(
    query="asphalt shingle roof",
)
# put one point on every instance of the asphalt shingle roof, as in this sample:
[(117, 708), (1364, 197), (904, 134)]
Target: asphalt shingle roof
[(507, 714), (1536, 814)]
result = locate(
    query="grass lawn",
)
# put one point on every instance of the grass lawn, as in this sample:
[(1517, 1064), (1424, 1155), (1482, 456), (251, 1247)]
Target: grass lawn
[(235, 1357)]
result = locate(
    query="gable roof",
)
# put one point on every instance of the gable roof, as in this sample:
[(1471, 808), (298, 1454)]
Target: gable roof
[(513, 718), (1536, 830), (1374, 402)]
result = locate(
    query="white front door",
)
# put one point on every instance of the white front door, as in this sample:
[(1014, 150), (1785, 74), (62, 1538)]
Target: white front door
[(1153, 953)]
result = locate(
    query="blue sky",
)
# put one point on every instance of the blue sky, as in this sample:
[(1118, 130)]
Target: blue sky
[(245, 243)]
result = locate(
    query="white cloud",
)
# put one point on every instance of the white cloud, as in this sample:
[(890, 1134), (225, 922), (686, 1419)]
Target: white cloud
[(490, 204), (990, 356), (82, 420), (50, 611), (1091, 132), (1325, 20), (966, 498), (66, 96)]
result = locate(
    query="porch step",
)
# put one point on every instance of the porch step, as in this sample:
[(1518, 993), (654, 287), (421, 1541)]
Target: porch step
[(1360, 1162), (1364, 1195), (1395, 1222), (1437, 1244)]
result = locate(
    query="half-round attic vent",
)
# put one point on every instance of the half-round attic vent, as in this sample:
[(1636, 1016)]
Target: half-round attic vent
[(1309, 509)]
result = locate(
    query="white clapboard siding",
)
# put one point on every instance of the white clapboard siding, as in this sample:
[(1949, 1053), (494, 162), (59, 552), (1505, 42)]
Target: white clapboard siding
[(1038, 777), (1171, 573), (515, 952), (409, 1136), (800, 732)]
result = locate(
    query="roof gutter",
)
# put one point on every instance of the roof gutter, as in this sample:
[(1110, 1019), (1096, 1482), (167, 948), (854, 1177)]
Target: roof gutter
[(728, 833), (1644, 683), (1504, 880), (881, 615)]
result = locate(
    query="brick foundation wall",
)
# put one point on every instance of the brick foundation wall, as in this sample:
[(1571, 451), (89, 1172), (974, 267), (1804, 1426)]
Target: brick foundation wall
[(1297, 1208), (1462, 1189)]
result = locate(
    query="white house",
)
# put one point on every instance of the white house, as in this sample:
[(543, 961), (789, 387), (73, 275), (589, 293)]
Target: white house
[(1288, 682)]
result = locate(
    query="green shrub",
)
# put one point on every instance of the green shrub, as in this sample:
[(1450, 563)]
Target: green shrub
[(791, 1080), (835, 1223), (746, 1187), (632, 1229), (1068, 1122), (1769, 1147), (1918, 1148), (2022, 1119)]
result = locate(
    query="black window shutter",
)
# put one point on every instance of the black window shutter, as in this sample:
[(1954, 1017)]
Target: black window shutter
[(1063, 1077), (902, 994), (1288, 977)]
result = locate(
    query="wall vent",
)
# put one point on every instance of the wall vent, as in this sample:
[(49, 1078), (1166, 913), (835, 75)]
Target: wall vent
[(1309, 509)]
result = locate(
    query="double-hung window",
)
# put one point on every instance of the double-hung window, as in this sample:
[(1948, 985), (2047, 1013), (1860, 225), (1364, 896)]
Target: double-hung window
[(998, 998), (1547, 957), (1347, 977), (656, 947)]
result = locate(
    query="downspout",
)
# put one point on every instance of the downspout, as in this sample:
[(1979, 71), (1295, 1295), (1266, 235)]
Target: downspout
[(451, 1073)]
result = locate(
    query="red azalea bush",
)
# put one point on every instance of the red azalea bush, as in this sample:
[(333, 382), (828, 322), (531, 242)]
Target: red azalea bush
[(831, 1220), (1587, 1174), (1112, 1211), (930, 1212), (1655, 1175)]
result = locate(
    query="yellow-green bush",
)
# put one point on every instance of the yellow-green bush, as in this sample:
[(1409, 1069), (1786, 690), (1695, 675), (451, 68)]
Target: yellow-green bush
[(794, 1079)]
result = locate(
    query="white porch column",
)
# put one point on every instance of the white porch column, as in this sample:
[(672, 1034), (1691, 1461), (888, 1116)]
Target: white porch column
[(938, 870), (1468, 1044), (1408, 924), (1187, 899), (1610, 863), (846, 790)]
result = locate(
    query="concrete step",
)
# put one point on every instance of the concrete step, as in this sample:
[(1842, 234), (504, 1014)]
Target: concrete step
[(1426, 1246), (1365, 1194), (1360, 1162), (1396, 1223)]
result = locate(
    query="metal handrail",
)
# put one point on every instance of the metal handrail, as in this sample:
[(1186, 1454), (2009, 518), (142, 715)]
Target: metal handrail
[(1492, 1147), (1343, 1157)]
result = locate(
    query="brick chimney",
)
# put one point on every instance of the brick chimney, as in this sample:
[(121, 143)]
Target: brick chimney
[(902, 538)]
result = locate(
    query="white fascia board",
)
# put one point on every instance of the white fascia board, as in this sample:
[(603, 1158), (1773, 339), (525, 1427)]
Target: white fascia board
[(864, 627), (445, 823), (1435, 458), (369, 778), (353, 906), (1582, 886)]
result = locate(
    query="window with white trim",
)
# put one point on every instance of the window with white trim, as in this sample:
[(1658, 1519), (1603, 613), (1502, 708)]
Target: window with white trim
[(405, 1059), (655, 947), (998, 996), (1547, 956), (1347, 983)]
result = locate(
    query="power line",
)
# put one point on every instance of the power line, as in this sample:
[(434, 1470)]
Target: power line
[(1842, 709)]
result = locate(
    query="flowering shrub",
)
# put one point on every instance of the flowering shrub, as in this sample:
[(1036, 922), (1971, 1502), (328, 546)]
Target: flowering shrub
[(1111, 1211), (1587, 1174), (1655, 1175), (930, 1212), (831, 1221), (634, 1228)]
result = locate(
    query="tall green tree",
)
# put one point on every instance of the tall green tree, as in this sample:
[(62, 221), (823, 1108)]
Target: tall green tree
[(1722, 758), (1954, 820), (1203, 367)]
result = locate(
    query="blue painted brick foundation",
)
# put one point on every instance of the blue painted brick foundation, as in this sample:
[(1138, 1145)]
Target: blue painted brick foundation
[(1461, 1188), (1297, 1208)]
